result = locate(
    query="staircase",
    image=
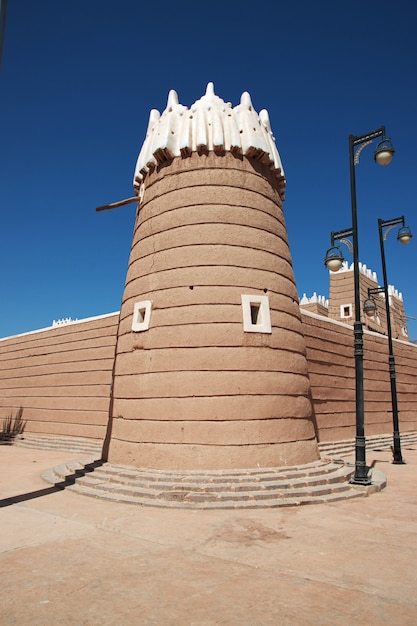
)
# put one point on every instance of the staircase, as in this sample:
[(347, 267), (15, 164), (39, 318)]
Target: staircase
[(376, 442), (73, 445), (94, 446), (318, 482), (326, 480)]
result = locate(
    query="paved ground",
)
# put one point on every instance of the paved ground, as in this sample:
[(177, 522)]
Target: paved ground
[(69, 559)]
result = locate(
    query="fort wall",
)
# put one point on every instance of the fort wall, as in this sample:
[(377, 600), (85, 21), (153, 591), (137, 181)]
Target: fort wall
[(61, 376), (331, 368)]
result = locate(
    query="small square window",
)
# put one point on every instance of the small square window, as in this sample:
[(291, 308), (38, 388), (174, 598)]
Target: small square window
[(256, 314), (141, 315), (346, 310)]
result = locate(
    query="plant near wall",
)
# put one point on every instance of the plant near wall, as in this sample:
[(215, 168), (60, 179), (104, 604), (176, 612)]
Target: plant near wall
[(12, 426)]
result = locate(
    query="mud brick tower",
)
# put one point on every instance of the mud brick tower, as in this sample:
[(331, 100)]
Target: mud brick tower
[(210, 368)]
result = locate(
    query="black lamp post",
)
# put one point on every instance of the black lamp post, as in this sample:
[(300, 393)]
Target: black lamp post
[(3, 7), (404, 236), (334, 259)]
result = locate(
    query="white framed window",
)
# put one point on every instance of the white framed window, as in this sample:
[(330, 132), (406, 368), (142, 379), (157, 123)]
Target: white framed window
[(141, 315), (256, 314), (345, 311)]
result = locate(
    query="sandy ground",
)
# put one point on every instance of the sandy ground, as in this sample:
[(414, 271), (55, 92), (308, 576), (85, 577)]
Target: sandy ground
[(70, 559)]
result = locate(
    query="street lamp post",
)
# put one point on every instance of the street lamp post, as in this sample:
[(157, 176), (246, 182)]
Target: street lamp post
[(404, 236), (383, 155)]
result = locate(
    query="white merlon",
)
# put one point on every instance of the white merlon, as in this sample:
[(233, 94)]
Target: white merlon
[(394, 292), (369, 273), (315, 299), (362, 268), (210, 124), (65, 320)]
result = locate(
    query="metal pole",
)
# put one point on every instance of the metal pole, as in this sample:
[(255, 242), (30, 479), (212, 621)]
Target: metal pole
[(361, 469), (396, 449), (3, 10)]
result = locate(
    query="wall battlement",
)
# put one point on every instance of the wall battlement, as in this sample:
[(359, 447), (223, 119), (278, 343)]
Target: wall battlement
[(340, 305)]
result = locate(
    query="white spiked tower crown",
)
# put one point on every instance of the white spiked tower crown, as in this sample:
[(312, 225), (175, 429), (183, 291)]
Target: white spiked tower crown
[(210, 124)]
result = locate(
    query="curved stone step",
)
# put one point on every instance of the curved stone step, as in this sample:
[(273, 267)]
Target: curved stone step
[(322, 481), (224, 483)]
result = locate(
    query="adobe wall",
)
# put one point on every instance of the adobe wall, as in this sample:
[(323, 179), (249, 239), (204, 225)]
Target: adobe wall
[(61, 377), (332, 377)]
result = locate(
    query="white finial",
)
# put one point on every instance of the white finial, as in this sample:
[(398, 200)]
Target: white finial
[(172, 99), (210, 89), (154, 117), (245, 99), (264, 117)]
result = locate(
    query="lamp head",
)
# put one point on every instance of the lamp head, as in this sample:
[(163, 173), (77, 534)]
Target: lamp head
[(384, 152), (334, 259), (404, 235), (370, 307)]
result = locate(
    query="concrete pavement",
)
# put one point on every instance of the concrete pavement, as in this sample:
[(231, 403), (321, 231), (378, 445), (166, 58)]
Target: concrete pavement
[(70, 559)]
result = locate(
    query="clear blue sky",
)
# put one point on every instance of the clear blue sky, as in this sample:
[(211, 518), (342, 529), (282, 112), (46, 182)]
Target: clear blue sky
[(77, 83)]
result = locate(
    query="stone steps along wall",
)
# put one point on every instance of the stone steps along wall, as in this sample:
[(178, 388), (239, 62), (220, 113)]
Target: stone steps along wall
[(331, 449), (80, 445)]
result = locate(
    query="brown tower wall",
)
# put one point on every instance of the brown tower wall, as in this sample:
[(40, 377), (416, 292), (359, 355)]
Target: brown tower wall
[(195, 390), (61, 377)]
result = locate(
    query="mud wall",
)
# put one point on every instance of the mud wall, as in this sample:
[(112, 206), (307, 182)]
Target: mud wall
[(61, 377), (332, 377)]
